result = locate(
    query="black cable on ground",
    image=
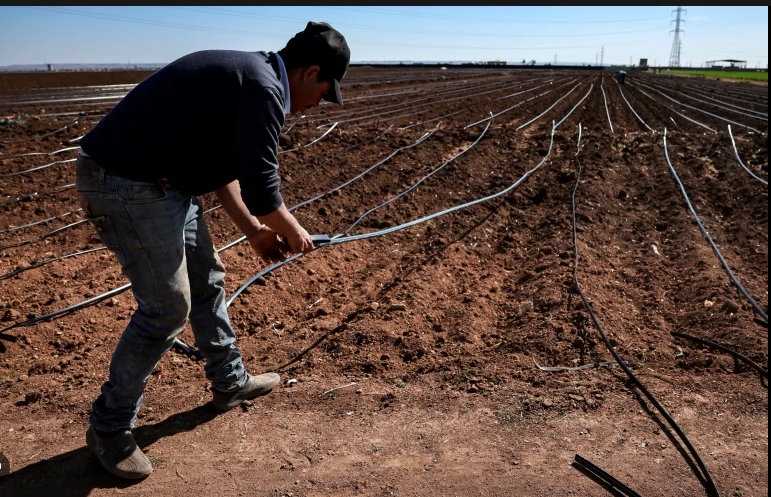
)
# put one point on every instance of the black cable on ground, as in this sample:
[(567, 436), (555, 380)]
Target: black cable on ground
[(44, 166), (604, 476), (701, 110), (737, 355), (34, 223), (47, 134), (709, 238), (705, 476), (46, 261), (42, 237), (338, 239), (30, 196), (736, 151)]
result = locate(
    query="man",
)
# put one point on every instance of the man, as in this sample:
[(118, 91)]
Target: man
[(207, 122), (621, 76)]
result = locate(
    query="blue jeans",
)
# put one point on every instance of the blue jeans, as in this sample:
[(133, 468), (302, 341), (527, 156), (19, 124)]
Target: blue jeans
[(164, 248)]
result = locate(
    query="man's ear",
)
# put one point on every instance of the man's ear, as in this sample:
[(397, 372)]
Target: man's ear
[(311, 72)]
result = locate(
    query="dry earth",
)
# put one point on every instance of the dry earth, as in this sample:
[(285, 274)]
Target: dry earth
[(414, 352)]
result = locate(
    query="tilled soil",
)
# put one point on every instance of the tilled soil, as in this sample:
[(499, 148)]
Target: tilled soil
[(416, 351)]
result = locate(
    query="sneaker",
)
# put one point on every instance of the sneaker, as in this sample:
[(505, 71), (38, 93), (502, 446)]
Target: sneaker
[(254, 387), (119, 454)]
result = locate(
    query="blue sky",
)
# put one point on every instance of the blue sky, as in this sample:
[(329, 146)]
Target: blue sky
[(613, 35)]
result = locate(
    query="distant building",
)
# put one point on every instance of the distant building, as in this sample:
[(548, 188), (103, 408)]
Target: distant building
[(49, 67), (732, 63)]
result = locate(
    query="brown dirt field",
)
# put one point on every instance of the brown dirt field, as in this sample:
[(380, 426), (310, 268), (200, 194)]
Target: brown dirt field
[(414, 352)]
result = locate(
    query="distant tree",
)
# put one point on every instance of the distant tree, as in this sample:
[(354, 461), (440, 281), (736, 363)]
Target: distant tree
[(532, 62)]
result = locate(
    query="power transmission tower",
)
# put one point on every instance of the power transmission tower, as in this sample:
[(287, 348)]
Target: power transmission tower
[(674, 56), (602, 55)]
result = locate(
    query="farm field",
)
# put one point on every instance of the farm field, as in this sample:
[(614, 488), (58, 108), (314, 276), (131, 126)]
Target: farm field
[(495, 234)]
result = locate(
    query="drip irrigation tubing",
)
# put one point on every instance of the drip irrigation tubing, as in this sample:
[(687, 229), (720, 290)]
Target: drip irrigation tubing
[(591, 87), (513, 106), (30, 196), (604, 476), (764, 114), (42, 237), (607, 111), (419, 141), (80, 114), (3, 157), (37, 168), (550, 108), (706, 477), (632, 109), (433, 98), (486, 102), (694, 121), (740, 160), (307, 173), (46, 261), (709, 238), (431, 103), (338, 239), (417, 183), (757, 367), (700, 110), (116, 291), (34, 223), (310, 143)]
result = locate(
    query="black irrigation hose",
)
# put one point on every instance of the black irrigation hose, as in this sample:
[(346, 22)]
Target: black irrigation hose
[(417, 183), (3, 157), (740, 160), (705, 474), (37, 168), (302, 176), (80, 114), (735, 108), (66, 310), (312, 142), (607, 111), (632, 109), (42, 237), (709, 238), (701, 110), (338, 239), (30, 196), (604, 476), (34, 223), (467, 109), (46, 261), (757, 367), (550, 108), (419, 141), (508, 108), (694, 121)]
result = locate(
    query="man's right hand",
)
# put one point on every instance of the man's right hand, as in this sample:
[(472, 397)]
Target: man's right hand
[(300, 241)]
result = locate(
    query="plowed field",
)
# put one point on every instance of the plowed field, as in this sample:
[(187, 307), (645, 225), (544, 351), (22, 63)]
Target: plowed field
[(415, 337)]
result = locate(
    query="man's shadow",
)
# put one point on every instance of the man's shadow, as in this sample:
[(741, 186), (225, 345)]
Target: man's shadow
[(77, 472)]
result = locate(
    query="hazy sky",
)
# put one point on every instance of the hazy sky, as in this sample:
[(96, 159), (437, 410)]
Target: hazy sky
[(613, 35)]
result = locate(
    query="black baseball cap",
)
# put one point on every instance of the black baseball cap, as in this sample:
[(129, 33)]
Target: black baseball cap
[(325, 46)]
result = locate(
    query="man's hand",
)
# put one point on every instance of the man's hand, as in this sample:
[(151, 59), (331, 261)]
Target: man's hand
[(267, 244), (300, 242)]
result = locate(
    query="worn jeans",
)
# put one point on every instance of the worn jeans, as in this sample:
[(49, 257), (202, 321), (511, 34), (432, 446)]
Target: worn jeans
[(164, 248)]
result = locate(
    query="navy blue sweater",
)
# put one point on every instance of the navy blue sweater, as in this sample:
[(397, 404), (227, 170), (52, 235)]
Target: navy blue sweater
[(202, 121)]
